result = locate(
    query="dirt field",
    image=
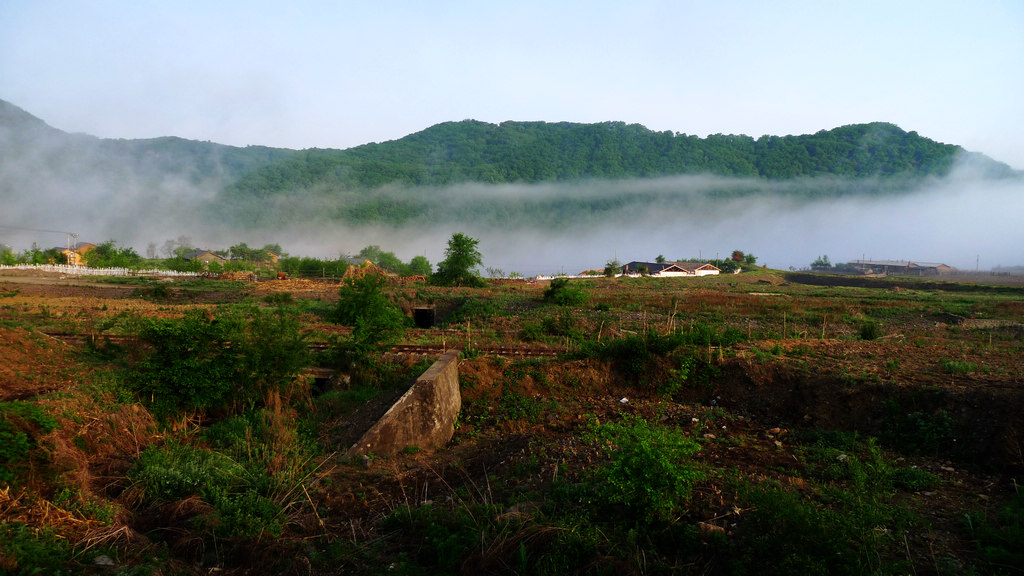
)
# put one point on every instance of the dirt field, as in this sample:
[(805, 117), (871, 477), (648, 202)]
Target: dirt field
[(891, 362)]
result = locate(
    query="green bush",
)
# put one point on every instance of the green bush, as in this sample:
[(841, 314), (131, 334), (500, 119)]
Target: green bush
[(957, 366), (28, 550), (784, 533), (649, 470), (240, 496), (20, 425), (374, 318), (190, 364), (917, 432), (444, 537), (870, 330), (200, 362), (562, 294), (914, 479)]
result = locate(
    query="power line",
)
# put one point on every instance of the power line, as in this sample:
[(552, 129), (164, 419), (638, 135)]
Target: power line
[(34, 229)]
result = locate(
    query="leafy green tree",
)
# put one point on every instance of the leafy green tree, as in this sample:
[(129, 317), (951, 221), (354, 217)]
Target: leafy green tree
[(384, 259), (420, 266), (374, 318), (108, 255), (242, 251), (190, 364), (749, 259), (459, 268), (7, 256), (821, 262), (206, 363), (660, 259), (612, 268)]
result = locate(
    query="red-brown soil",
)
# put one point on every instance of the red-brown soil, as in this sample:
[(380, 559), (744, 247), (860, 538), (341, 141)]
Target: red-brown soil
[(815, 374)]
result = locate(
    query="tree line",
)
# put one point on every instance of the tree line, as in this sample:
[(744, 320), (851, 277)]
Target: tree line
[(530, 152)]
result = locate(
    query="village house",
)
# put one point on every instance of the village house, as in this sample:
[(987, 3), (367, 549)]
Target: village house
[(670, 269), (75, 253), (205, 256)]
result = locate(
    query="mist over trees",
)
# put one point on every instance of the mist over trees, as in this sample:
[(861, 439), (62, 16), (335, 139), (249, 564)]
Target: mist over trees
[(596, 185), (531, 152)]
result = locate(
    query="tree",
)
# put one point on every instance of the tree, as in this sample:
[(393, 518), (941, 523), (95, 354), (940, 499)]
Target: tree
[(737, 256), (612, 268), (749, 259), (7, 256), (108, 255), (821, 262), (660, 259), (374, 318), (459, 267), (420, 266)]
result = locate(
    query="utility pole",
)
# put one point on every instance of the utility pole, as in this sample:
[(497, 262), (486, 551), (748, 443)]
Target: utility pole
[(70, 238)]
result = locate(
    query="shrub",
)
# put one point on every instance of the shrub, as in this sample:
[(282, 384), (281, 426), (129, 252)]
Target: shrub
[(189, 366), (28, 550), (785, 533), (918, 432), (240, 497), (648, 471), (374, 318), (869, 330), (204, 363), (957, 366), (562, 294), (20, 425)]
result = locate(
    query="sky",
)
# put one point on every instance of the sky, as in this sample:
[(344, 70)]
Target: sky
[(337, 74)]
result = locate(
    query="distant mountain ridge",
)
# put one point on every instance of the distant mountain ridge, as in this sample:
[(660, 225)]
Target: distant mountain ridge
[(29, 141), (398, 181), (531, 152), (473, 151)]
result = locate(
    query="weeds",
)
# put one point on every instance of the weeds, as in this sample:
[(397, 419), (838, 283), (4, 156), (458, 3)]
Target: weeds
[(21, 424), (648, 471), (957, 366), (999, 538)]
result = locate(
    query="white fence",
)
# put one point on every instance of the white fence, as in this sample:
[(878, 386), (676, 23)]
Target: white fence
[(86, 271)]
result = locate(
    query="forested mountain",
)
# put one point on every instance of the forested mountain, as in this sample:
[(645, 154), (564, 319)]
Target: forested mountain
[(468, 171), (531, 152), (31, 150)]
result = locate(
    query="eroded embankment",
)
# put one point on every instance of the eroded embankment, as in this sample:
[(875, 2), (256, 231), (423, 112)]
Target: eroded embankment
[(972, 421)]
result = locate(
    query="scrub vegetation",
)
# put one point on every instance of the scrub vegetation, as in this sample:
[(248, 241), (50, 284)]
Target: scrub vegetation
[(751, 423)]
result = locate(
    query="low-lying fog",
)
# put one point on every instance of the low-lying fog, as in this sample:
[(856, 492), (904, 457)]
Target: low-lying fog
[(963, 221)]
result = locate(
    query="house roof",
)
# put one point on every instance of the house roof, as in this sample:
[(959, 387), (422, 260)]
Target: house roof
[(655, 268), (899, 263), (694, 266), (77, 246), (197, 253)]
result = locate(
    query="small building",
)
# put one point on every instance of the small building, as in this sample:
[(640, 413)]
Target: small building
[(205, 256), (900, 267), (670, 269), (75, 254)]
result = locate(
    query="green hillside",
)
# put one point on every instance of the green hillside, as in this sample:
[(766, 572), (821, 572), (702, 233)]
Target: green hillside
[(460, 171), (531, 152), (30, 149), (478, 172)]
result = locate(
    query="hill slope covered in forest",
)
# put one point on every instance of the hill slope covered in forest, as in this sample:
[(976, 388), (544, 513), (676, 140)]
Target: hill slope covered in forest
[(467, 171)]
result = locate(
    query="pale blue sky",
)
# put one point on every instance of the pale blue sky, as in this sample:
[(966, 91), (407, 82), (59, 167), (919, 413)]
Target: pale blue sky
[(340, 74)]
